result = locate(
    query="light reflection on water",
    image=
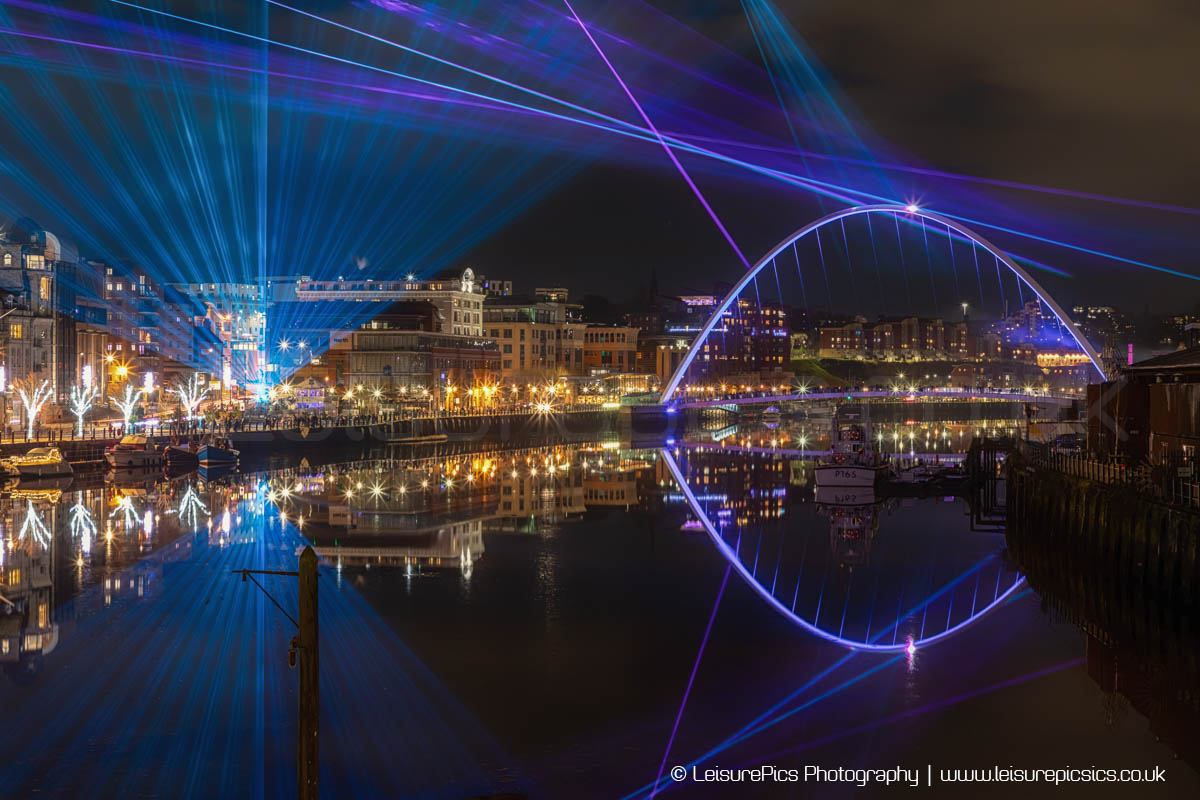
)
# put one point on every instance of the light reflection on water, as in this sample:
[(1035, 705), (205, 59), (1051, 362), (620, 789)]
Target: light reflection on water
[(536, 578)]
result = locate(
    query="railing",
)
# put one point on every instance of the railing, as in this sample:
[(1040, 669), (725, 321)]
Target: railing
[(55, 433), (1160, 481), (684, 399)]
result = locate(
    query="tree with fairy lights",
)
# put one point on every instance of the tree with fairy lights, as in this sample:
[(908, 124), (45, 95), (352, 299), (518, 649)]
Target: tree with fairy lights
[(190, 394), (33, 397), (127, 403), (83, 396)]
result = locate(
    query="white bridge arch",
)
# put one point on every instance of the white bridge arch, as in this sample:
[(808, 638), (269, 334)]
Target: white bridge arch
[(884, 208)]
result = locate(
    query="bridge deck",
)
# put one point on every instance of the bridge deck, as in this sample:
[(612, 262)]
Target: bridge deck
[(927, 394)]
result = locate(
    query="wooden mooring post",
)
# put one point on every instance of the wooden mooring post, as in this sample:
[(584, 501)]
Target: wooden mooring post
[(307, 746), (304, 653)]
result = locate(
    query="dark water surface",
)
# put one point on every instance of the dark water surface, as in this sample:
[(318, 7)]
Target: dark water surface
[(536, 633)]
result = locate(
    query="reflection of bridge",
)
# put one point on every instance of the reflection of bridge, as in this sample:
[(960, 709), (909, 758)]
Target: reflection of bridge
[(924, 394), (981, 588)]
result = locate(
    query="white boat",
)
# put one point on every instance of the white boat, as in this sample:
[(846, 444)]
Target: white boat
[(40, 462), (132, 452), (850, 462)]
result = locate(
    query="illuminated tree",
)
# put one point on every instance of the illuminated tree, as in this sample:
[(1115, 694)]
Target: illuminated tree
[(127, 403), (32, 398), (82, 398), (190, 394)]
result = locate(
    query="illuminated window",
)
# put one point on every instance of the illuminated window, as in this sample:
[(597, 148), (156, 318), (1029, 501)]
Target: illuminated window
[(7, 263), (16, 330)]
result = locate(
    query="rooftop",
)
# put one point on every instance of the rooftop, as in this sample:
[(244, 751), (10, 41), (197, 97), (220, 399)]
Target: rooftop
[(1187, 360)]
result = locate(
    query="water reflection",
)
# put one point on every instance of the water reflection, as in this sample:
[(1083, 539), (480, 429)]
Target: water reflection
[(525, 546), (1142, 646), (423, 514), (817, 554), (57, 543)]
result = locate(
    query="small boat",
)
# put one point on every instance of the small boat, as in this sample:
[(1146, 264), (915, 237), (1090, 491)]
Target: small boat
[(429, 438), (40, 462), (182, 455), (917, 473), (134, 451), (214, 455)]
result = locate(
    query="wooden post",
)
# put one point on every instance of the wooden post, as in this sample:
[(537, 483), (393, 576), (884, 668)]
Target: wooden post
[(309, 663)]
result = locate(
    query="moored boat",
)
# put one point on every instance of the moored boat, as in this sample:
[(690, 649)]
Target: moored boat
[(217, 455), (851, 462), (132, 452), (182, 455)]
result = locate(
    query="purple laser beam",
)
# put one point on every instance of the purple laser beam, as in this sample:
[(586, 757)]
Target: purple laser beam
[(691, 678), (670, 153)]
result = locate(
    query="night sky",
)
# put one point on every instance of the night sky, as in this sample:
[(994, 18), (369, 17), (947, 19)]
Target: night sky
[(1091, 95), (1086, 95)]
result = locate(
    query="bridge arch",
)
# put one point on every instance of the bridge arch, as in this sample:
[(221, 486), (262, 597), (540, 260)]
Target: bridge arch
[(883, 208)]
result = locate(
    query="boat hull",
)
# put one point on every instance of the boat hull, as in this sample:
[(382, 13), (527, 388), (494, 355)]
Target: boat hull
[(846, 475), (134, 460), (210, 456), (181, 457)]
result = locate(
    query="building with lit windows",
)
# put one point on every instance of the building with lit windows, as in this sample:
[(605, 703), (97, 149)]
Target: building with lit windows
[(457, 296), (38, 280), (750, 338), (238, 310), (403, 351), (535, 341), (609, 349)]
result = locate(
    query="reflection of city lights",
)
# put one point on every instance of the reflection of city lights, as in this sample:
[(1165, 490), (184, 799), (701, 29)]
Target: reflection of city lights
[(191, 507), (33, 527), (126, 510)]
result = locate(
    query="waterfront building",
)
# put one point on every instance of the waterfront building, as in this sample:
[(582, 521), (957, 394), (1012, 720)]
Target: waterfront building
[(38, 279), (238, 311), (1149, 411), (609, 349), (457, 296), (535, 341), (404, 351), (749, 339), (661, 354)]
